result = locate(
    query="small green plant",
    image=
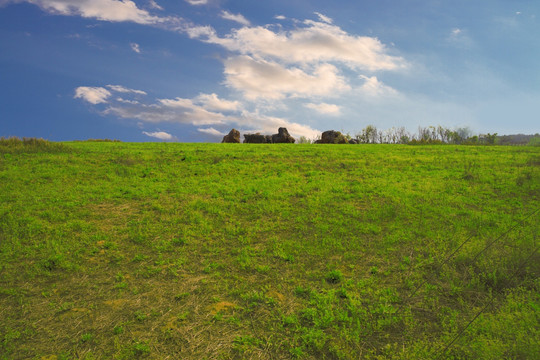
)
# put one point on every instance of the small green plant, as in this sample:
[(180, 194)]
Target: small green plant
[(470, 170), (181, 296), (140, 315), (87, 337), (178, 241), (334, 277), (243, 343)]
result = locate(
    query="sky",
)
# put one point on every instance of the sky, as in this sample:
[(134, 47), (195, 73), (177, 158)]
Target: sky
[(191, 70)]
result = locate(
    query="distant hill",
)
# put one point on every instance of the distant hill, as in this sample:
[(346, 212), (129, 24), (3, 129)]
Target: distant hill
[(517, 139)]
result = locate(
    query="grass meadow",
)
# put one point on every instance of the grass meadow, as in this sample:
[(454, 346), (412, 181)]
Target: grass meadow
[(242, 251)]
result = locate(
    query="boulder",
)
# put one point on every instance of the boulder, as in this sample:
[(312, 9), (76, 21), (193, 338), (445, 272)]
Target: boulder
[(255, 138), (333, 137), (282, 137), (232, 137), (354, 141)]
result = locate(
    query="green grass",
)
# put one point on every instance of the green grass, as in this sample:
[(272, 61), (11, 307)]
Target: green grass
[(192, 251)]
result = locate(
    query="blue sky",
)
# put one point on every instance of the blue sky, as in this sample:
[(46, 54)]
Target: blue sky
[(190, 70)]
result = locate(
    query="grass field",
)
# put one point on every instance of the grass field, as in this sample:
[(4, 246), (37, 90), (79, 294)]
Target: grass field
[(220, 251)]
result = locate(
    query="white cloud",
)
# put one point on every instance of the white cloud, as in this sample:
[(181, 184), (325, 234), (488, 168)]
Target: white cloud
[(203, 110), (93, 95), (239, 18), (211, 131), (197, 2), (154, 5), (324, 108), (177, 110), (257, 78), (460, 38), (280, 17), (374, 88), (135, 47), (106, 10), (122, 89), (214, 103), (315, 42), (196, 32), (161, 135), (324, 18), (125, 101)]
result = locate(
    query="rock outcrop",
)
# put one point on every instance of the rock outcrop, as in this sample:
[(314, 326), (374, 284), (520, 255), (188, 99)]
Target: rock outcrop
[(332, 137), (232, 137), (282, 137), (257, 139)]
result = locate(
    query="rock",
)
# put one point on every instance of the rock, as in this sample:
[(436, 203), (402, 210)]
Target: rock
[(333, 137), (354, 141), (232, 137), (255, 138), (282, 137)]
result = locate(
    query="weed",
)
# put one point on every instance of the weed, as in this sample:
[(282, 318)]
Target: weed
[(243, 343), (87, 337), (140, 315), (470, 170), (178, 241), (334, 277)]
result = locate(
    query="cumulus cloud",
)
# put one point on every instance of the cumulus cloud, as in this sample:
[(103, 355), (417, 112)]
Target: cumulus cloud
[(205, 109), (161, 135), (99, 95), (195, 32), (314, 42), (263, 62), (324, 108), (177, 110), (373, 87), (257, 78), (208, 112), (93, 95), (135, 47), (106, 10), (239, 18), (211, 131), (214, 103)]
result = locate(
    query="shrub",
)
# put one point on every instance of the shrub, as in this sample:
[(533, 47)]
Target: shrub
[(27, 145)]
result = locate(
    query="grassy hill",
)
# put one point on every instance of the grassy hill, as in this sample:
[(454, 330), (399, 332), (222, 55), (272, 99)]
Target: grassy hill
[(218, 251)]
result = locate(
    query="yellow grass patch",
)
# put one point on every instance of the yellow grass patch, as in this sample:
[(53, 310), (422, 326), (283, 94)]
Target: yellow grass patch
[(222, 306), (116, 303)]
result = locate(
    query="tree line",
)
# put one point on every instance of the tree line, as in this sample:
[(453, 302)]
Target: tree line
[(433, 135)]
